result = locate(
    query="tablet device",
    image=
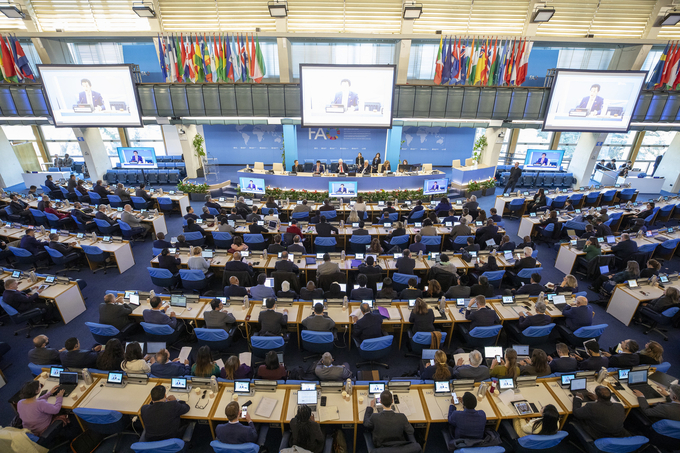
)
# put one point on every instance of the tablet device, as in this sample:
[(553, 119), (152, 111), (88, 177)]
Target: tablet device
[(566, 379), (376, 388), (506, 384), (623, 374), (242, 387), (508, 300), (115, 377), (307, 386), (442, 387), (178, 384)]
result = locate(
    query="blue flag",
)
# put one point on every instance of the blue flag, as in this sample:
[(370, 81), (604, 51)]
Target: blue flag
[(446, 71), (161, 56), (658, 69), (455, 62)]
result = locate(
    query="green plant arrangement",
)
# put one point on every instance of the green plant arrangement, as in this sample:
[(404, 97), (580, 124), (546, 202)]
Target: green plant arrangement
[(474, 186), (489, 183), (198, 145), (190, 187), (480, 145), (318, 196)]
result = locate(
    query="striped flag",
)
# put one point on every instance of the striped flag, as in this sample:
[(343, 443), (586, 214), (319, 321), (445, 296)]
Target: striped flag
[(439, 65), (21, 62), (455, 62), (658, 69), (446, 69), (236, 58), (260, 67), (524, 63), (160, 50)]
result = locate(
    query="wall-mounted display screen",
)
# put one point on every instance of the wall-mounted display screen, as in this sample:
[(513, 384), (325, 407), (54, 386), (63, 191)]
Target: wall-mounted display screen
[(137, 157), (543, 159)]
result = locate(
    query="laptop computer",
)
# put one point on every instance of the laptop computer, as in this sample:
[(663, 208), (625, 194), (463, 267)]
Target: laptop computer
[(427, 356), (491, 352), (68, 381), (179, 384), (637, 380), (522, 351), (578, 386), (307, 397), (177, 300), (559, 301)]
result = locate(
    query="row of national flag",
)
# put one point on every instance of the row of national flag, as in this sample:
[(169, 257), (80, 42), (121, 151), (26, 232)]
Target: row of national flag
[(666, 74), (482, 61), (217, 58), (13, 62)]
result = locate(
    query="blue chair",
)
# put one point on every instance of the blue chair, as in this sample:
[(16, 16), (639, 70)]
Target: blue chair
[(54, 221), (173, 177), (358, 243), (532, 336), (432, 243), (255, 241), (559, 202), (664, 318), (216, 339), (104, 422), (525, 274), (329, 215), (163, 176), (461, 241), (129, 233), (529, 179), (559, 180), (68, 195), (568, 180), (394, 216), (261, 345), (222, 240), (592, 199), (139, 203), (215, 212), (533, 443), (156, 251), (495, 278), (664, 214), (36, 370), (151, 176), (374, 349), (115, 201), (79, 224), (549, 180), (95, 198), (193, 279), (161, 446), (576, 200), (400, 281), (285, 441), (582, 334), (420, 341), (665, 434), (480, 336), (165, 204), (195, 238), (98, 257), (411, 447), (607, 444), (451, 446), (504, 178), (61, 259), (667, 249), (27, 317), (400, 241), (647, 248), (301, 216), (104, 332), (53, 169), (516, 207), (160, 333), (418, 215), (23, 256), (325, 244), (39, 217), (162, 278), (608, 197), (626, 195), (316, 342)]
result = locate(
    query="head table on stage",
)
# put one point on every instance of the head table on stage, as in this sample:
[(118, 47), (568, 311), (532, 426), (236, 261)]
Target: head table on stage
[(307, 181)]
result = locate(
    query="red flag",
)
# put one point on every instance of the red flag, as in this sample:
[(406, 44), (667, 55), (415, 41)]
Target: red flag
[(439, 64), (508, 68), (7, 62), (670, 63)]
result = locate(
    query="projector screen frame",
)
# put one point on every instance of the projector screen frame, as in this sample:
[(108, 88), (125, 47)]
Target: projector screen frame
[(546, 128), (86, 66), (302, 101)]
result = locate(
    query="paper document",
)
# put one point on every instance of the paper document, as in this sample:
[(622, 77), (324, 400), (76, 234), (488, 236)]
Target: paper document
[(328, 413), (219, 363), (245, 357), (509, 396), (184, 353), (405, 405), (465, 356), (266, 407), (394, 312)]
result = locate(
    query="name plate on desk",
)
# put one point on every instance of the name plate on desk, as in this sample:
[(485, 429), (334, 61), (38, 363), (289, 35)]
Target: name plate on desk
[(262, 385), (332, 386), (399, 386), (138, 379)]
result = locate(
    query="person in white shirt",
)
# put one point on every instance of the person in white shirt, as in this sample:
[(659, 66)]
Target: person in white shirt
[(196, 260), (134, 360)]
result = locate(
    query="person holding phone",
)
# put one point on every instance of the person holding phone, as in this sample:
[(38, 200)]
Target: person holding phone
[(468, 423), (305, 431), (234, 432)]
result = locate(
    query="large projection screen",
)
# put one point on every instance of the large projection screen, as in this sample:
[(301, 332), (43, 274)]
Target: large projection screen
[(347, 95), (593, 101), (91, 95)]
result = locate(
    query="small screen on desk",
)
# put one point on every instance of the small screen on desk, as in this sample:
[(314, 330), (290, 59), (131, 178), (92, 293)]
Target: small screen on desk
[(567, 378), (442, 387), (507, 254), (398, 255), (507, 300), (411, 303), (492, 351), (114, 378), (245, 253), (637, 377), (632, 284), (242, 386), (306, 397), (269, 283), (662, 277), (16, 274), (578, 384), (307, 386), (319, 256), (611, 239), (178, 301), (50, 279), (172, 251), (207, 254), (134, 299), (55, 371), (460, 302), (623, 374), (376, 387), (369, 302), (600, 240), (506, 384), (178, 384), (559, 299)]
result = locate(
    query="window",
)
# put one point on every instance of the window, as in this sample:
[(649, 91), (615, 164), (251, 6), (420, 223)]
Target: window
[(340, 53), (654, 143), (568, 142), (32, 56), (582, 58), (97, 53), (531, 139), (617, 146), (23, 134), (60, 141), (148, 136), (421, 61), (111, 140), (651, 61)]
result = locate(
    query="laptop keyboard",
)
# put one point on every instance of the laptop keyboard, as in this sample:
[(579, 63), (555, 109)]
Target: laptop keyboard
[(66, 388), (646, 390)]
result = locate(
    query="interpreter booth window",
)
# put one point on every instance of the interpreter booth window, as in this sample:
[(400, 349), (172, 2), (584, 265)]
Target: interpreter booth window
[(568, 142), (651, 61), (147, 136), (503, 157), (111, 139), (584, 58), (530, 139), (654, 143), (97, 53), (60, 141), (23, 136), (340, 53), (617, 146)]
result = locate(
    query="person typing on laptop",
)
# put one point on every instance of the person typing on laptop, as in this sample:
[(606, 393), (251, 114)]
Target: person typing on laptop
[(114, 312), (483, 315), (476, 370), (35, 412), (157, 315), (670, 410), (603, 418)]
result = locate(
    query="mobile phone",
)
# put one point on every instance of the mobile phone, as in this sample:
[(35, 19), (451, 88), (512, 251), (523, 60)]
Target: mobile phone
[(431, 362), (323, 401), (244, 411), (377, 400), (455, 397), (396, 398), (498, 359)]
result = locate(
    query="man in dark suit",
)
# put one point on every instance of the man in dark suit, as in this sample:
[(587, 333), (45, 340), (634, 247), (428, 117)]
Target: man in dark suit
[(234, 289), (611, 165), (22, 302), (539, 319), (160, 242), (141, 193), (369, 326), (162, 417), (20, 207), (236, 265), (41, 354), (211, 203), (361, 231), (369, 267), (74, 357), (603, 418), (100, 190), (121, 193), (51, 185), (87, 96), (297, 247), (345, 97), (254, 228), (515, 174), (342, 168), (362, 292), (417, 208), (72, 184), (563, 363), (36, 247), (592, 103), (627, 358), (169, 262), (271, 321), (527, 262), (297, 168), (670, 410), (325, 229), (253, 216), (284, 265), (192, 226), (114, 312), (601, 229), (625, 247), (468, 423), (234, 215), (190, 214), (483, 234), (406, 264), (366, 169), (388, 427), (483, 316), (534, 288), (217, 318), (85, 219), (64, 249), (318, 167), (235, 432)]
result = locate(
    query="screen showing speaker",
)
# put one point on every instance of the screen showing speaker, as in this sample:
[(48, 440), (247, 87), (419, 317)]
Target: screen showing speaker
[(347, 95), (543, 159), (593, 101), (342, 189), (137, 157), (91, 95), (252, 185), (435, 186)]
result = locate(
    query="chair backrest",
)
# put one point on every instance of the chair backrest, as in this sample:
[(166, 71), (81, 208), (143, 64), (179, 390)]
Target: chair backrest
[(590, 331), (53, 253), (220, 447), (329, 214), (668, 428), (425, 338), (485, 331), (11, 311), (161, 446), (538, 331), (98, 416), (193, 235), (156, 272), (253, 238), (527, 271), (670, 312), (647, 247), (261, 342), (620, 444), (431, 240), (17, 251), (157, 329), (317, 337), (91, 250), (211, 334), (161, 200), (191, 275), (104, 330), (377, 344), (539, 442), (325, 241), (394, 216), (403, 278), (493, 275), (396, 240)]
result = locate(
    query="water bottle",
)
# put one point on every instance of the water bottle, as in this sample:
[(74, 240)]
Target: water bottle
[(344, 303), (541, 297), (342, 223), (442, 303), (264, 254), (348, 386), (152, 293), (342, 255), (246, 302), (213, 384), (87, 377), (420, 254)]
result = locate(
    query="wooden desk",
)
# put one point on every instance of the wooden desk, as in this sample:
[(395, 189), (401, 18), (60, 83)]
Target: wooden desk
[(345, 407), (128, 400), (511, 312), (565, 399), (226, 395), (192, 399), (625, 301), (438, 406), (293, 316), (191, 312), (538, 394), (629, 397), (75, 398)]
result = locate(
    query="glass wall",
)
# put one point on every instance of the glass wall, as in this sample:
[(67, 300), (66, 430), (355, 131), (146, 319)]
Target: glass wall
[(340, 53), (568, 141), (531, 139), (617, 146), (60, 141), (23, 134), (654, 143)]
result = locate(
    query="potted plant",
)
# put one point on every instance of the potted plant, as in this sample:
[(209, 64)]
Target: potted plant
[(200, 152), (480, 145), (488, 186), (196, 191), (474, 188)]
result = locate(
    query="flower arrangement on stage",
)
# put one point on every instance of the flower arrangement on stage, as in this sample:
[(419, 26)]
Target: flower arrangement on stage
[(190, 187), (369, 197)]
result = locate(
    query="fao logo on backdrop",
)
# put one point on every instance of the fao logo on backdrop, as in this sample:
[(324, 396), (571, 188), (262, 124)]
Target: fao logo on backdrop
[(333, 133)]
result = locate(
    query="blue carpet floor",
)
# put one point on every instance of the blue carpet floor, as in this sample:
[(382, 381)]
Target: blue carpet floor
[(17, 373)]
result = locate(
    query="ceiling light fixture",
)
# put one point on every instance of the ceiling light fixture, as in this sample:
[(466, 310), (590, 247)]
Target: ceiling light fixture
[(542, 15), (143, 10), (12, 11), (412, 10), (278, 9), (670, 19)]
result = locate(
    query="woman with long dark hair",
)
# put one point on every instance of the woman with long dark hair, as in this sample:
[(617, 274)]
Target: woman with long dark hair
[(234, 369), (422, 317), (272, 368), (133, 361), (35, 412), (547, 425), (305, 432), (204, 366), (112, 356)]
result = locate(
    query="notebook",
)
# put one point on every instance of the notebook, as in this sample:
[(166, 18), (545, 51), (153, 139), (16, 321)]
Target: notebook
[(328, 413), (266, 407)]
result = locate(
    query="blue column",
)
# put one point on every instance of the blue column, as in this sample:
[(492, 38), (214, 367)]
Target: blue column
[(393, 151), (290, 141)]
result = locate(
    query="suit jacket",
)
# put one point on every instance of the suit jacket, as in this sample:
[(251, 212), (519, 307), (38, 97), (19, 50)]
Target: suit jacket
[(101, 191), (479, 373), (533, 289), (97, 100), (78, 359), (360, 232), (143, 194), (362, 294), (286, 266), (158, 317), (238, 266), (460, 230), (235, 291), (359, 161), (71, 186), (406, 265), (332, 373), (328, 267), (662, 411), (318, 169), (526, 262), (32, 244), (369, 326), (624, 360), (101, 216), (366, 170), (297, 168), (44, 356), (123, 194), (20, 301), (323, 230), (236, 433), (625, 248), (468, 423), (52, 186), (115, 315), (515, 173), (534, 320), (170, 263), (272, 322), (162, 419), (458, 292), (61, 248), (170, 369), (601, 419), (352, 99), (482, 317), (218, 320), (318, 323), (130, 219), (387, 426), (577, 317), (563, 365), (597, 104), (305, 294), (485, 233), (342, 168)]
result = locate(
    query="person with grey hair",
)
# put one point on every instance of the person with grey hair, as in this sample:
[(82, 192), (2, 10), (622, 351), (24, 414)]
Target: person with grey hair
[(539, 319), (206, 214), (318, 321), (475, 370), (670, 410), (326, 371), (460, 230)]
